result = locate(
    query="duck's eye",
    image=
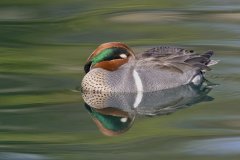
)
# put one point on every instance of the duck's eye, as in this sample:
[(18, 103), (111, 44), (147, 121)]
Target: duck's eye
[(124, 56)]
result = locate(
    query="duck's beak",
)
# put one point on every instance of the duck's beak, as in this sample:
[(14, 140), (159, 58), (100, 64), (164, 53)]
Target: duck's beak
[(88, 66)]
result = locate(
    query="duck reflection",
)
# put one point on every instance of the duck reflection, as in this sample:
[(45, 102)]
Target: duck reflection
[(114, 113), (111, 121)]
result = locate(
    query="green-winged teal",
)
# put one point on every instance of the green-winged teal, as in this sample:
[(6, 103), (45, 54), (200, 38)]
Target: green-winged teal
[(113, 67)]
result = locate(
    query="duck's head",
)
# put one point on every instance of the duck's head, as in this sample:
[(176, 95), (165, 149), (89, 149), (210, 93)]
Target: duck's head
[(109, 56)]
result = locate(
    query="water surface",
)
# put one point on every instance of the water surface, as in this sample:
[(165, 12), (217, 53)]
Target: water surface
[(44, 45)]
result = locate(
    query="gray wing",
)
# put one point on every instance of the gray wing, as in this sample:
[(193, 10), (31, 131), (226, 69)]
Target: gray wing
[(165, 50), (177, 59)]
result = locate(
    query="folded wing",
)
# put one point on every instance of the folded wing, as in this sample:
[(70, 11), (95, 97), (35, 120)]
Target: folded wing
[(176, 59)]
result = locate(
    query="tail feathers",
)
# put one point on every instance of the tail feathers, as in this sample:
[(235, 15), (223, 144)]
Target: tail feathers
[(208, 55), (213, 62), (198, 59), (201, 61)]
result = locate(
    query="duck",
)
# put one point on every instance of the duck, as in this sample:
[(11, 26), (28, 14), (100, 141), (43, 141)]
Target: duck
[(113, 67)]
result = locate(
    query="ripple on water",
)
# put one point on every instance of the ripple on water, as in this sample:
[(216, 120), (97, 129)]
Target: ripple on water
[(7, 82), (16, 14), (21, 83), (222, 124), (148, 17), (227, 16), (174, 16), (22, 156), (215, 146)]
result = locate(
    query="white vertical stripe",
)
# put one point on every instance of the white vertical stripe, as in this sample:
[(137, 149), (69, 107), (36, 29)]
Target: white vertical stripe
[(139, 86)]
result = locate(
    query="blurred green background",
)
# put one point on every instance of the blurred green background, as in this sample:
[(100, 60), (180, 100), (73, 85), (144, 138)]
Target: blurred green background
[(43, 47)]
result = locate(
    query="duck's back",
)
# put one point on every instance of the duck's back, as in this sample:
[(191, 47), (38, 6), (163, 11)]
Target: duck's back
[(168, 67)]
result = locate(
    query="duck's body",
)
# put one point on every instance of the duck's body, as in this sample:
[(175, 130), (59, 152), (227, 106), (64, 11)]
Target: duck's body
[(156, 69)]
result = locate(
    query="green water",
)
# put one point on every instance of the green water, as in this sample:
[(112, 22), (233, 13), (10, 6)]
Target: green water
[(44, 45)]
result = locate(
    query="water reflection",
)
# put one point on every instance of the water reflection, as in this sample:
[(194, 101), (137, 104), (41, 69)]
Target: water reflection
[(114, 113), (111, 121), (21, 156), (214, 146)]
